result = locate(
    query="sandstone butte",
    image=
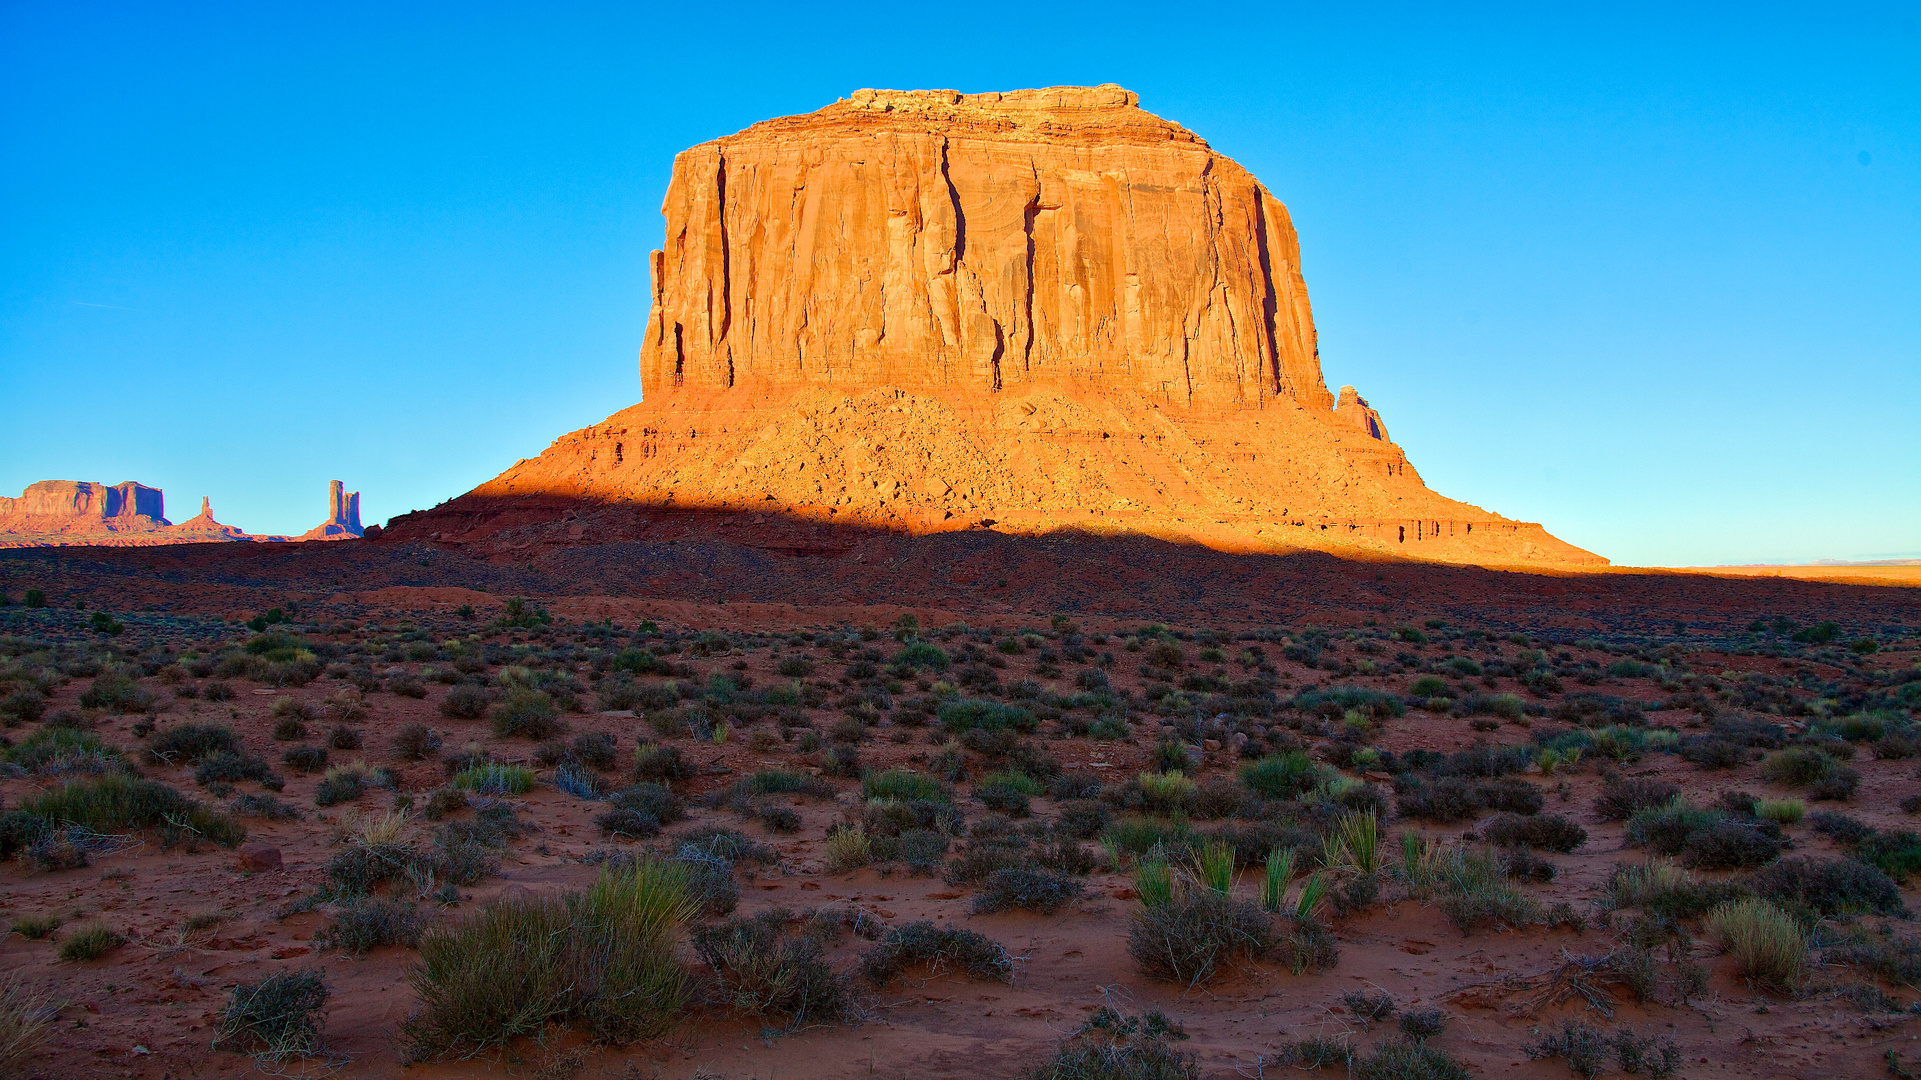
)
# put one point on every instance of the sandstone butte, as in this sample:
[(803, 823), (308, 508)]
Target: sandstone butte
[(1033, 311), (74, 513)]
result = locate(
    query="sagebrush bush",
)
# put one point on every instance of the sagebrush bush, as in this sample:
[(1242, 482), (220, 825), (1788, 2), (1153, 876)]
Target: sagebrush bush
[(465, 701), (191, 742), (1549, 832), (1030, 890), (1828, 887), (305, 759), (525, 714), (602, 960), (367, 924), (1622, 796), (938, 948), (416, 742), (1189, 938), (761, 969)]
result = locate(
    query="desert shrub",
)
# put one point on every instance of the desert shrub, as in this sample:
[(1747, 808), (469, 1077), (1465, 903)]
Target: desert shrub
[(1894, 957), (1780, 811), (265, 807), (662, 764), (903, 784), (90, 943), (1031, 890), (1007, 792), (939, 948), (464, 701), (1730, 845), (1548, 833), (602, 959), (843, 761), (1795, 766), (1828, 887), (1667, 891), (23, 707), (1335, 702), (782, 819), (594, 749), (1189, 938), (495, 779), (1423, 1024), (409, 687), (579, 781), (368, 924), (1113, 1047), (227, 768), (970, 714), (848, 849), (1713, 752), (525, 714), (55, 750), (305, 759), (1621, 796), (1285, 776), (416, 742), (1082, 819), (1896, 853), (192, 742), (1441, 800), (1408, 1061), (1470, 888), (1837, 783), (1369, 1005), (763, 971), (117, 803), (1509, 794), (276, 1017), (341, 784), (640, 811), (1136, 835), (343, 737), (922, 655), (1586, 1051), (1767, 945)]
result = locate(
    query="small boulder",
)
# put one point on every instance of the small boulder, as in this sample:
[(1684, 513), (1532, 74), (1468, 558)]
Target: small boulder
[(258, 859)]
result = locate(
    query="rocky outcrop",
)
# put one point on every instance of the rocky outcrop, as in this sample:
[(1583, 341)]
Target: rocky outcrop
[(78, 506), (343, 516), (202, 528), (1031, 311)]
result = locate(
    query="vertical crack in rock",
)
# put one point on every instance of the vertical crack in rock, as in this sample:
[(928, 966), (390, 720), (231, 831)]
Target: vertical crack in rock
[(960, 219), (1028, 213)]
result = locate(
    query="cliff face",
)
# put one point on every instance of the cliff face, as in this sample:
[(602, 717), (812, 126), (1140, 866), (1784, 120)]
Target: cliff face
[(979, 241), (1030, 311), (84, 506)]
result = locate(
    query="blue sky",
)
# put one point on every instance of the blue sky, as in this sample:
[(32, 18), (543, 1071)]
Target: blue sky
[(1648, 275)]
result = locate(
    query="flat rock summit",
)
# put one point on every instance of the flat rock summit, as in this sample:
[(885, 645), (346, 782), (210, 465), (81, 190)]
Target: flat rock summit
[(1035, 311)]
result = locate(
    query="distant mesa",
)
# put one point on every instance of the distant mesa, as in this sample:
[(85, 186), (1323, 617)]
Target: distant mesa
[(1034, 311), (80, 513)]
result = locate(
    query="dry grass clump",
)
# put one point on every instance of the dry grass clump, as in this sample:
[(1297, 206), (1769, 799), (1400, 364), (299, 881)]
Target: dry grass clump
[(602, 960), (275, 1018), (90, 942), (1768, 946), (24, 1018)]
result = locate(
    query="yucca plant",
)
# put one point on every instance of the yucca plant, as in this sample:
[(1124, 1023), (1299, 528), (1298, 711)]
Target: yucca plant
[(1154, 881), (1360, 840), (1280, 871), (1313, 891), (1215, 865)]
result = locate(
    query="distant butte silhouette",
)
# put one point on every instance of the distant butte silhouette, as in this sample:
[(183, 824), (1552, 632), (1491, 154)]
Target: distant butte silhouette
[(1033, 311)]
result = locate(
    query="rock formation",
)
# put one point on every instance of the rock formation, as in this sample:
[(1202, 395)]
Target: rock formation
[(78, 506), (343, 516), (1030, 311)]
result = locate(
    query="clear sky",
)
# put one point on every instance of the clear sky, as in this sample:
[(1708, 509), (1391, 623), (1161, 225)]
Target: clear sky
[(1648, 275)]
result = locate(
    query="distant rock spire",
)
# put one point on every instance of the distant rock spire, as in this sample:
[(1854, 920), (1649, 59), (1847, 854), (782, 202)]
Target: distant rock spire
[(343, 516)]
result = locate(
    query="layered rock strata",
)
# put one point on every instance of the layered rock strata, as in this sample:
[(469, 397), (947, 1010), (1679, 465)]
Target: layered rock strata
[(1036, 310)]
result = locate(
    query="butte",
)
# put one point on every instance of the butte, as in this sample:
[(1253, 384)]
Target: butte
[(1039, 311)]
